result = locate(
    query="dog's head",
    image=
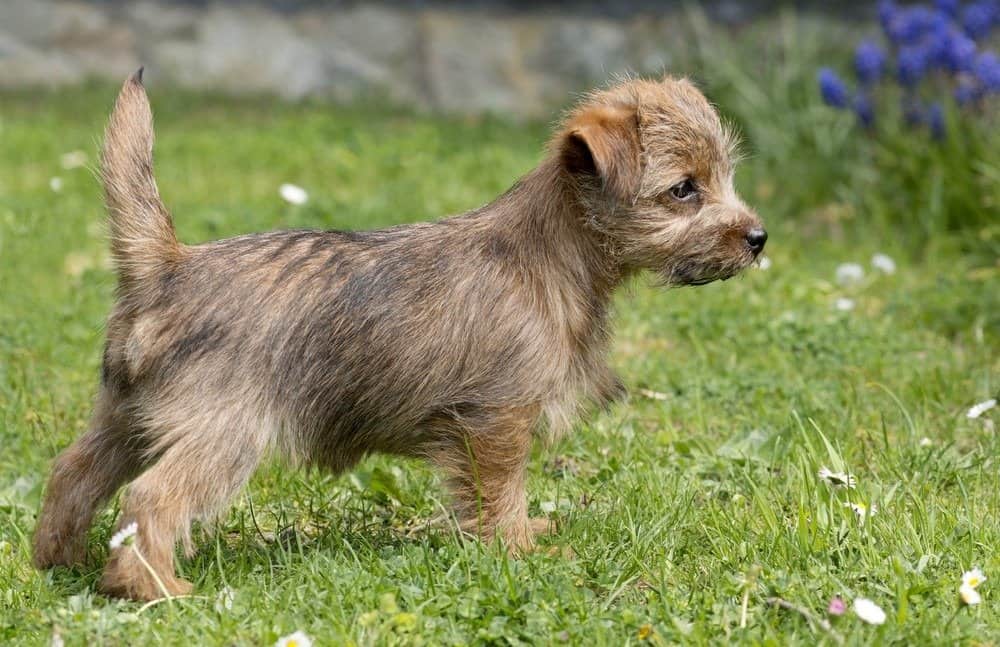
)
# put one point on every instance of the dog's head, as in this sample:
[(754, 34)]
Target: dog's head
[(653, 165)]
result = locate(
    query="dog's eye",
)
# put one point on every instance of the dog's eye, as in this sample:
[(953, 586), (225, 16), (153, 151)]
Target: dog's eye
[(683, 191)]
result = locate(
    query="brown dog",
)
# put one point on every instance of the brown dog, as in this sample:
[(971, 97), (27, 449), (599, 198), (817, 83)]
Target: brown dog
[(457, 341)]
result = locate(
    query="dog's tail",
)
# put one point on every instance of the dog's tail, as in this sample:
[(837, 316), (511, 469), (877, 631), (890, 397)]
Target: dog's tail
[(142, 233)]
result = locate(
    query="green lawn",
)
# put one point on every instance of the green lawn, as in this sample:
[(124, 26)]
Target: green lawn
[(697, 495)]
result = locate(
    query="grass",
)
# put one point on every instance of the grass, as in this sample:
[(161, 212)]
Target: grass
[(673, 512)]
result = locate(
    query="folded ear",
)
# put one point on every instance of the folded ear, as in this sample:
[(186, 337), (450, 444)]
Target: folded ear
[(603, 142)]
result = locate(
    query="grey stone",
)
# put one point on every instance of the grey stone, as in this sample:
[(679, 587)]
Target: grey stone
[(23, 65), (457, 60), (367, 50), (243, 49), (474, 63), (31, 21), (155, 20)]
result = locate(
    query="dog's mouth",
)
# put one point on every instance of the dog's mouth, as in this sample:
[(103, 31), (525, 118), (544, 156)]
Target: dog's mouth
[(688, 274), (693, 282)]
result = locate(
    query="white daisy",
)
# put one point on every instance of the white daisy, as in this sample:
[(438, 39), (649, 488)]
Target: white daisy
[(969, 595), (764, 263), (869, 611), (979, 409), (973, 578), (124, 537), (839, 479), (73, 159), (56, 184), (293, 194), (884, 264), (844, 304), (926, 442), (848, 273), (863, 511), (224, 600), (297, 639)]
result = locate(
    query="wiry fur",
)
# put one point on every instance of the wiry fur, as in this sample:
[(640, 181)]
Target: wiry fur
[(455, 341)]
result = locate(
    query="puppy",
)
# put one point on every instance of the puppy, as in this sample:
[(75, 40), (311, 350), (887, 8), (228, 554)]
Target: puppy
[(457, 341)]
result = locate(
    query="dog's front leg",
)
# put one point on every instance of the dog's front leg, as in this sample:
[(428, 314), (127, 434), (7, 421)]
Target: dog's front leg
[(485, 461)]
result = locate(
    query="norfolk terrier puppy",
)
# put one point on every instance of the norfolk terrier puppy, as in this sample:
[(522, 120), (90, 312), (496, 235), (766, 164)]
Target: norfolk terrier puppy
[(457, 341)]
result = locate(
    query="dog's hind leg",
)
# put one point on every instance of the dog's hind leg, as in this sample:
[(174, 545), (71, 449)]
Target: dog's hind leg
[(203, 467), (83, 478)]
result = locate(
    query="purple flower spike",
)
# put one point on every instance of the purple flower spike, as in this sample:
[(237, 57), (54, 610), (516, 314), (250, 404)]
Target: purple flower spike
[(832, 88), (912, 65), (967, 92), (913, 112), (935, 119), (959, 52), (886, 14), (869, 60), (864, 109), (987, 71), (910, 25), (947, 7), (978, 19)]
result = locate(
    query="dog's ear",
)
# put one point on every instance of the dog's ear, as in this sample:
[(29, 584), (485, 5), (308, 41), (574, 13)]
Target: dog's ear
[(603, 142)]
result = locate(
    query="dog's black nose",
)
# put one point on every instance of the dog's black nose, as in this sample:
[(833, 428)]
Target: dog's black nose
[(756, 239)]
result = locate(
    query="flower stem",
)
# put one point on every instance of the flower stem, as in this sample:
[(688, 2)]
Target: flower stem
[(152, 571)]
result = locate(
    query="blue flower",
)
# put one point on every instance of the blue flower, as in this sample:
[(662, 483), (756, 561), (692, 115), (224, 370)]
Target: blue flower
[(913, 112), (959, 52), (912, 64), (935, 119), (886, 14), (907, 26), (979, 18), (864, 109), (832, 88), (869, 59), (967, 92), (987, 71), (948, 7)]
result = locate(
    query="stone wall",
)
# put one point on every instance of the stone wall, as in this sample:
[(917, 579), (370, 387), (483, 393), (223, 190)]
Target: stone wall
[(454, 58)]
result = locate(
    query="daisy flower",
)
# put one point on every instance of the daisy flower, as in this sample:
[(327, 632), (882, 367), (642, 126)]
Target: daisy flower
[(764, 263), (848, 273), (973, 578), (56, 184), (844, 304), (224, 600), (839, 479), (293, 194), (883, 263), (979, 409), (73, 159), (124, 537), (969, 595), (297, 639), (926, 442), (863, 511), (869, 611)]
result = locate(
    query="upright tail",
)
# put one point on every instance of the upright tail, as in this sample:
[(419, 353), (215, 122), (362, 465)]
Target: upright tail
[(142, 233)]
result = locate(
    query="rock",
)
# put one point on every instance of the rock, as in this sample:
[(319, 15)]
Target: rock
[(32, 22), (473, 63), (243, 49), (156, 20), (23, 65), (367, 50)]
